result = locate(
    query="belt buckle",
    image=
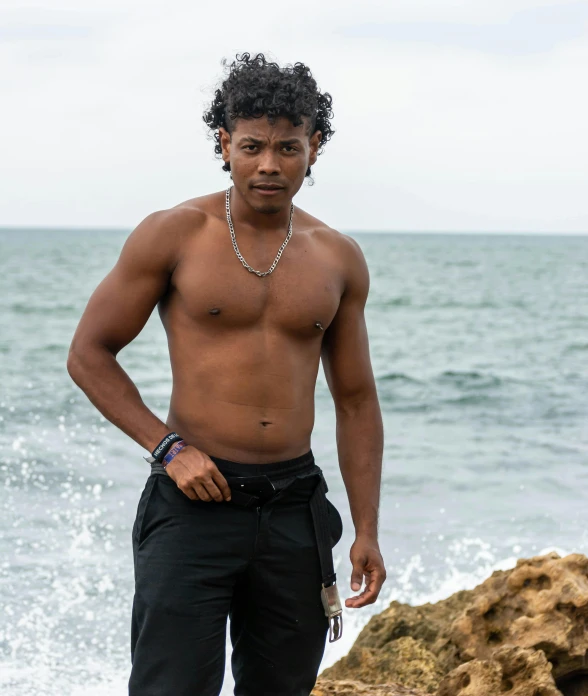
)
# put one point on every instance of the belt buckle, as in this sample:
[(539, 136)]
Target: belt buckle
[(333, 611)]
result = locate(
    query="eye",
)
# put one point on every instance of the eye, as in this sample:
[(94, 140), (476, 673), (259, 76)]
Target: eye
[(249, 147), (289, 148)]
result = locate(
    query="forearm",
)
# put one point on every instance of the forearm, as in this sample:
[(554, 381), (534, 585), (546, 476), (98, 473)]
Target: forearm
[(98, 374), (360, 442)]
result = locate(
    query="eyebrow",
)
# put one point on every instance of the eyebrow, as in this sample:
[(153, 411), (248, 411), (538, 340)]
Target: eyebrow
[(255, 141)]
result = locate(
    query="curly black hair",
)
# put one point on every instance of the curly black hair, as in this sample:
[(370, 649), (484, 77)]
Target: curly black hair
[(255, 87)]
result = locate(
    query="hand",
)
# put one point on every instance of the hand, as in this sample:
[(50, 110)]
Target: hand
[(367, 563), (197, 476)]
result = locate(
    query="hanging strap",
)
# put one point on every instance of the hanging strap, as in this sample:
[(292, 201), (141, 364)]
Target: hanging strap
[(329, 592), (320, 518)]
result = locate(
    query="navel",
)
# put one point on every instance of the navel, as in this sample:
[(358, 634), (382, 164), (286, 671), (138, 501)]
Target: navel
[(265, 423), (214, 311)]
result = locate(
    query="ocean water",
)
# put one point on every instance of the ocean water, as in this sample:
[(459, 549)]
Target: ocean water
[(480, 347)]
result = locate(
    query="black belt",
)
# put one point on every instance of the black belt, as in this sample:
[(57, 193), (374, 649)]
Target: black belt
[(320, 518)]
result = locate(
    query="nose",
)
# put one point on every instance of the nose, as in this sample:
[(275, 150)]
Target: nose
[(269, 163)]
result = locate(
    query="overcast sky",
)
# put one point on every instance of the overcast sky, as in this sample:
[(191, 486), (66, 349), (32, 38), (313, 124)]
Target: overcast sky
[(448, 115)]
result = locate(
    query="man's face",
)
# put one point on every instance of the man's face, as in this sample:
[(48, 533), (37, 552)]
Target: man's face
[(269, 162)]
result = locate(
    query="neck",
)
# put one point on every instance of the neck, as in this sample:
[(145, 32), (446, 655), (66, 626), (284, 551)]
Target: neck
[(243, 214)]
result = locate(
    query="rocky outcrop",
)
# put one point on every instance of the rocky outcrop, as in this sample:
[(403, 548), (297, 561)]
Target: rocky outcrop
[(512, 671), (541, 604), (522, 632), (403, 660), (326, 687), (425, 626)]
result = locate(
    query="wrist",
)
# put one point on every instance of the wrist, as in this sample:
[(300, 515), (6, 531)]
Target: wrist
[(174, 450), (163, 448), (367, 535)]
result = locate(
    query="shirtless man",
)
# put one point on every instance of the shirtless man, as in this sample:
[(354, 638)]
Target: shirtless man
[(245, 350)]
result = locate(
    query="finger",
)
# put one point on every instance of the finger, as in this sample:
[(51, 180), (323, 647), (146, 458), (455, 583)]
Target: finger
[(222, 484), (350, 601), (356, 577), (366, 597), (189, 492), (379, 577), (213, 490), (370, 593), (369, 586), (363, 599), (202, 493)]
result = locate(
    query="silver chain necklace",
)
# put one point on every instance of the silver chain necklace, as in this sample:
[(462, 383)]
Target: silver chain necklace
[(236, 248)]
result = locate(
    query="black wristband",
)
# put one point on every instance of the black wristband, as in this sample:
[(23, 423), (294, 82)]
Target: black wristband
[(163, 447)]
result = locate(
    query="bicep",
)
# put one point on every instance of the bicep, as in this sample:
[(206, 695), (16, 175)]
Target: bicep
[(121, 304), (345, 351)]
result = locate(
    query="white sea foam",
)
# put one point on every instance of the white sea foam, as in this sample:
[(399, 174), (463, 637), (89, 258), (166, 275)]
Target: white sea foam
[(104, 673)]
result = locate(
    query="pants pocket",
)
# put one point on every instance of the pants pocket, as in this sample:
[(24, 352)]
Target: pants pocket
[(335, 523), (143, 508)]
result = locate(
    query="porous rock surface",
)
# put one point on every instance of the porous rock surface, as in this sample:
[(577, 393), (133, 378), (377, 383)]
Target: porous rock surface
[(519, 633), (541, 604), (513, 671), (401, 629), (326, 687), (404, 660)]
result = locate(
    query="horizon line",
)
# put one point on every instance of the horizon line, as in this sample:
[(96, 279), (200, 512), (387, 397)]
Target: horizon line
[(537, 233)]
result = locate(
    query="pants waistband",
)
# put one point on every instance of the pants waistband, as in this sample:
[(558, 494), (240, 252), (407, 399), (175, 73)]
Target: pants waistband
[(274, 470)]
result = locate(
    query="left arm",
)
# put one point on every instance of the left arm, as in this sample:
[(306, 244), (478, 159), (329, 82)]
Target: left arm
[(347, 366)]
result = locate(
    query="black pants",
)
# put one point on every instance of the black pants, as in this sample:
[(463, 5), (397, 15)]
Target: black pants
[(198, 562)]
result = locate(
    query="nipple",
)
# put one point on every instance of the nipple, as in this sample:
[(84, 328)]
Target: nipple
[(319, 325)]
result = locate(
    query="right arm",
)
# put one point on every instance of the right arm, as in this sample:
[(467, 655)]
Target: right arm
[(115, 314)]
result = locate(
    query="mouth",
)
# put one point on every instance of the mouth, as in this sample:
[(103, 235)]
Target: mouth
[(268, 189)]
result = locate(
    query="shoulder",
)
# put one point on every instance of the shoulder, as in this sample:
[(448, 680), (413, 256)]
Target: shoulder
[(185, 217), (168, 225), (344, 249), (198, 211), (342, 244), (161, 234), (182, 219)]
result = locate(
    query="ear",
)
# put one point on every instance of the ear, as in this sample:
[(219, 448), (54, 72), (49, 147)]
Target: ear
[(315, 141), (225, 143)]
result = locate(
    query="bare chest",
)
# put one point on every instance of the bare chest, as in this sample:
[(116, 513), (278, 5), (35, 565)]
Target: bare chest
[(212, 288)]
